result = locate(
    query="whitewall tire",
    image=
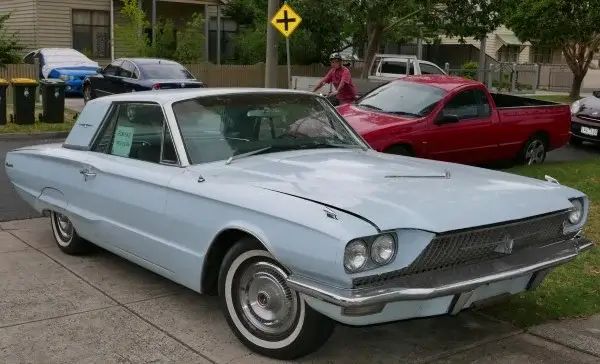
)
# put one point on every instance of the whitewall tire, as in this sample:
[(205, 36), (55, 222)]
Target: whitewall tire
[(65, 235), (263, 312)]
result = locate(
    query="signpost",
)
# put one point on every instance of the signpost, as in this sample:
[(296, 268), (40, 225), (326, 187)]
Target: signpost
[(286, 20)]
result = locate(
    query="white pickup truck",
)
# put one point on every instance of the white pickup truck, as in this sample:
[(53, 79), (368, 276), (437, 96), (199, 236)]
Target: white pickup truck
[(385, 67)]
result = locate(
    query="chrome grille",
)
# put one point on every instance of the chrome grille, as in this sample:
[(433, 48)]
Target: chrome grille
[(589, 118), (460, 248)]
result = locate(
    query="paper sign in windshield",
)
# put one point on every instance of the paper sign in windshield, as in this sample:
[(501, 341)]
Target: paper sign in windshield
[(123, 141)]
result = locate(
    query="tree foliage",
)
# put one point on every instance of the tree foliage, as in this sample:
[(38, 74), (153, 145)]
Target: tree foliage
[(10, 47), (183, 45), (321, 32), (470, 18), (572, 26)]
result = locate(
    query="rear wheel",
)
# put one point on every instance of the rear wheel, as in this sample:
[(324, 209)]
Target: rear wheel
[(533, 151), (66, 237), (262, 311)]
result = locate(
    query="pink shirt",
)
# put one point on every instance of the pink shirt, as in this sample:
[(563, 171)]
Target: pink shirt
[(335, 76)]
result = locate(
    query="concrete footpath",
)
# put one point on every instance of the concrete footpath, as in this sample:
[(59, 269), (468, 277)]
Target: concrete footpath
[(100, 308)]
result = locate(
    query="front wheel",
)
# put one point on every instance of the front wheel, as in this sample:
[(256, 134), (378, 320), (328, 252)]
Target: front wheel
[(576, 141), (262, 311)]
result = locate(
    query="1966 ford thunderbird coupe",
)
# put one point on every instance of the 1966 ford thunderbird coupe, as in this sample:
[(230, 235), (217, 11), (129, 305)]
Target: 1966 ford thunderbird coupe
[(270, 200)]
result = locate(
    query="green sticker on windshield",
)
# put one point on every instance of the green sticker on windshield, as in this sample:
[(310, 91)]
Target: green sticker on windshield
[(123, 141)]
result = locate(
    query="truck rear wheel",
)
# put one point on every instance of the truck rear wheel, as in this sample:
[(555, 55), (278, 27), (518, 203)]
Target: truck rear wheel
[(533, 151)]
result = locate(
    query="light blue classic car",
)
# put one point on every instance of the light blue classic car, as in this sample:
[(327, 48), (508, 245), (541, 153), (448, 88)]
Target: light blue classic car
[(269, 199)]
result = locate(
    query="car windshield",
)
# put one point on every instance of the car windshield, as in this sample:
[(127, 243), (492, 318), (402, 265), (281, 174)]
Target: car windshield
[(232, 126), (403, 98), (166, 71)]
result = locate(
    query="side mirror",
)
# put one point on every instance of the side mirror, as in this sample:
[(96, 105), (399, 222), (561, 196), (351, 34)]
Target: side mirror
[(446, 119)]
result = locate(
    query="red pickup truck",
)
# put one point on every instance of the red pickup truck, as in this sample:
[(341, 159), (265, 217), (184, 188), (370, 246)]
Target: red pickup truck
[(457, 120)]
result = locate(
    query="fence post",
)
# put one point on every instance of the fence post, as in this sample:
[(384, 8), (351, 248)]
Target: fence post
[(513, 77), (536, 78), (489, 79), (447, 67), (38, 93)]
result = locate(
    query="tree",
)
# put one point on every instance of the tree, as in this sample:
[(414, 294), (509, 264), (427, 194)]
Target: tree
[(322, 31), (10, 47), (572, 26), (131, 35), (190, 40)]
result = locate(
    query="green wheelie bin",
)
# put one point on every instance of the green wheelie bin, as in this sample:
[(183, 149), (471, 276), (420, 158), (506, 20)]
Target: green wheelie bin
[(53, 101), (24, 95), (3, 88)]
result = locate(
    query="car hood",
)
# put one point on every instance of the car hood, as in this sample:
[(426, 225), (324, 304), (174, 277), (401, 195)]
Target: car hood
[(364, 121), (400, 192)]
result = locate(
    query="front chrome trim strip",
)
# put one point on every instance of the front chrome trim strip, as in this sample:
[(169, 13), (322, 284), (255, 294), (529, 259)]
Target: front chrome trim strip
[(388, 293)]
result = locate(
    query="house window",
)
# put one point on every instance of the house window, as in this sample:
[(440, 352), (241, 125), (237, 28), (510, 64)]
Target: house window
[(229, 29), (91, 33), (509, 53), (542, 54)]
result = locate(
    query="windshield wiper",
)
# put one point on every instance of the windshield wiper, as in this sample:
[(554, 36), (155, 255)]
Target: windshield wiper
[(281, 148), (405, 113), (372, 107)]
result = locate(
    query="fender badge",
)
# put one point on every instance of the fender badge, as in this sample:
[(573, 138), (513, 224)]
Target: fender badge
[(330, 214)]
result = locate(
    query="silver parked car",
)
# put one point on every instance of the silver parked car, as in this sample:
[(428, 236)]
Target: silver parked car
[(269, 199)]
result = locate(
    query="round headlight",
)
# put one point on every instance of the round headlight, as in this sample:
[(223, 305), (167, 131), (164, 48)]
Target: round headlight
[(355, 255), (575, 107), (576, 215), (383, 249)]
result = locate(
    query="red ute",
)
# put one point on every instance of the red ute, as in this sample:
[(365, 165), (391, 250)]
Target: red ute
[(457, 120)]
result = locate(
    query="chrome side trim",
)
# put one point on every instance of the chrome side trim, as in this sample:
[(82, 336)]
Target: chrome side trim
[(344, 297)]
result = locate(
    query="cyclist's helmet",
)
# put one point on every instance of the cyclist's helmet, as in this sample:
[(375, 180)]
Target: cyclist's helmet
[(335, 56)]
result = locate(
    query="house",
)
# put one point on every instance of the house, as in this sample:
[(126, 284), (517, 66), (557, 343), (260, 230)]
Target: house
[(502, 45), (88, 26)]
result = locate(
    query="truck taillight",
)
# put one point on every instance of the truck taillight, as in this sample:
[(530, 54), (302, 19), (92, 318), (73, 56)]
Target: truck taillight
[(156, 86)]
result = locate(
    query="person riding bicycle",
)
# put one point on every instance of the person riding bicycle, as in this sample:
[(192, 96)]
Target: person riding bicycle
[(341, 79)]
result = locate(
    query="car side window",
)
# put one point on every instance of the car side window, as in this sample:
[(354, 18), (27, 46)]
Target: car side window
[(113, 68), (138, 131), (427, 69), (484, 110), (395, 67), (464, 105), (127, 70), (29, 58)]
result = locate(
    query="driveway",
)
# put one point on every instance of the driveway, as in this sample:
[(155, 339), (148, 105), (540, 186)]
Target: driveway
[(74, 103), (100, 308)]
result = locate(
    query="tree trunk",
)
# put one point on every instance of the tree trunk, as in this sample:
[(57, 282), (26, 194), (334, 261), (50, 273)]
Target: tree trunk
[(372, 47), (576, 86)]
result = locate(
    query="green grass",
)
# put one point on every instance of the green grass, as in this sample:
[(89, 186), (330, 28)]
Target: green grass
[(39, 127), (563, 99), (572, 290)]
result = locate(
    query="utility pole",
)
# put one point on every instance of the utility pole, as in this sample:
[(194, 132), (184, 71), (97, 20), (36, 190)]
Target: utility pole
[(271, 54)]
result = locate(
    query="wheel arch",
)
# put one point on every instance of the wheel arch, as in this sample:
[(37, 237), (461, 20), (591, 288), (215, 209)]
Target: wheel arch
[(218, 248), (388, 149)]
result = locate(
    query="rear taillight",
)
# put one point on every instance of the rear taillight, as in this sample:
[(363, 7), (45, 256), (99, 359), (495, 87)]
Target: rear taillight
[(156, 86)]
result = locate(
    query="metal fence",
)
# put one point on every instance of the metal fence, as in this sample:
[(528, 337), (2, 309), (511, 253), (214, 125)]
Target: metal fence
[(520, 78)]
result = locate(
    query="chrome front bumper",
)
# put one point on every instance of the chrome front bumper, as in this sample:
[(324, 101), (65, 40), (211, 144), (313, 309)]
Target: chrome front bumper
[(447, 283)]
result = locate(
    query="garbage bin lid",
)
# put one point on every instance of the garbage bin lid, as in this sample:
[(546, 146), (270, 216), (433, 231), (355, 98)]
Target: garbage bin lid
[(3, 81), (23, 81)]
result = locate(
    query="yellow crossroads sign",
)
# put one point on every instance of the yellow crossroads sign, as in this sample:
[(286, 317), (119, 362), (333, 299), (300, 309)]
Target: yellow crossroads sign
[(286, 20)]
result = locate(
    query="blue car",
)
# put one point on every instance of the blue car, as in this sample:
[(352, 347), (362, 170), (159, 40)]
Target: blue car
[(66, 64)]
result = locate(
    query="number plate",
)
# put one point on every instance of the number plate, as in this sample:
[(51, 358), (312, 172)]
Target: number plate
[(589, 131)]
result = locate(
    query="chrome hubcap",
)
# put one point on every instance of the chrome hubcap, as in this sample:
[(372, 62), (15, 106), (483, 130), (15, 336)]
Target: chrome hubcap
[(266, 301), (64, 226), (535, 153)]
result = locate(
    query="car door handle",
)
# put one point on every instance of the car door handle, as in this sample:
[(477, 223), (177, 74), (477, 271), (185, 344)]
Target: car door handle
[(87, 174)]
